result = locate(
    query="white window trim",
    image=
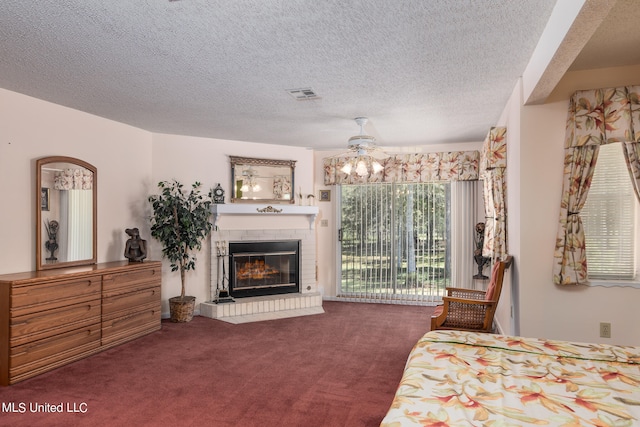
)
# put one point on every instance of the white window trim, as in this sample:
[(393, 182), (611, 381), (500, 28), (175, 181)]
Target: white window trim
[(614, 283)]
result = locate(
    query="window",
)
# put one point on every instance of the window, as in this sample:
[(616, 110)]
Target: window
[(394, 241), (609, 218)]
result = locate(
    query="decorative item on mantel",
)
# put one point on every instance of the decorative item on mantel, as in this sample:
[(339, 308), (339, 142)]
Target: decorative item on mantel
[(222, 291), (135, 249), (181, 222), (477, 253), (218, 194), (268, 209), (52, 239)]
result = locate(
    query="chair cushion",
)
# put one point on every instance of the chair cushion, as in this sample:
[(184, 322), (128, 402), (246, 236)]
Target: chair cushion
[(488, 296), (438, 311)]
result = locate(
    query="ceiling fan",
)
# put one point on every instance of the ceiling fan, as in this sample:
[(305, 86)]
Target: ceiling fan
[(363, 144), (363, 152)]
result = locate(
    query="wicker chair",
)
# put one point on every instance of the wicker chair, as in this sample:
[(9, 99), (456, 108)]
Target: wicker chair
[(469, 309)]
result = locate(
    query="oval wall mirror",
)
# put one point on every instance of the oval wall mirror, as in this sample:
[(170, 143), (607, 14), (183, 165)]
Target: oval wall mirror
[(66, 212)]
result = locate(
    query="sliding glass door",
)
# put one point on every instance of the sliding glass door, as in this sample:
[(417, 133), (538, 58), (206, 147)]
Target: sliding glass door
[(394, 241)]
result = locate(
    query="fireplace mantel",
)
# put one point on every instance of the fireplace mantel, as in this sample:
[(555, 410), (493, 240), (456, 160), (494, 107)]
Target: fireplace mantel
[(258, 209)]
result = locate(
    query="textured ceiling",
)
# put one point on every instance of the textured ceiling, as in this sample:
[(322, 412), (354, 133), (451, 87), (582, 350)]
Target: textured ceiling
[(616, 42), (424, 72)]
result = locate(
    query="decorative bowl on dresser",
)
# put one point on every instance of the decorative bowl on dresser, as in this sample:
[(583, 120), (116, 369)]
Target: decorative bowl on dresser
[(50, 318)]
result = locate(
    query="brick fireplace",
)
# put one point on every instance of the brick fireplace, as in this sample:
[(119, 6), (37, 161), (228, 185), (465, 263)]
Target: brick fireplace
[(250, 231)]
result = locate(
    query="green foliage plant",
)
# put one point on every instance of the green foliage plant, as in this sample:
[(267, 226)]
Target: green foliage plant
[(180, 222)]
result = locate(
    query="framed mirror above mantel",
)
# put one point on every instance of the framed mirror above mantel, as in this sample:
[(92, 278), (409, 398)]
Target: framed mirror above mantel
[(66, 212), (256, 180)]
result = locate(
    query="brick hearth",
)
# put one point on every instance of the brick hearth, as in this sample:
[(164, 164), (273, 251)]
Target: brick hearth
[(270, 307), (307, 301)]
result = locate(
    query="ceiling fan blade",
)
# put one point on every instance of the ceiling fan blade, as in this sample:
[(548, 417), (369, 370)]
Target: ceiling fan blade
[(364, 143), (379, 154)]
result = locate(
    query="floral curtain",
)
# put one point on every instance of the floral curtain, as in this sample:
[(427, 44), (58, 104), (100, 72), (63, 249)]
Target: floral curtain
[(493, 164), (596, 117), (73, 179), (632, 158), (453, 166)]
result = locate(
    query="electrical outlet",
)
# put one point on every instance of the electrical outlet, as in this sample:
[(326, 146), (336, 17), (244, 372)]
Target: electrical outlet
[(324, 223), (605, 330)]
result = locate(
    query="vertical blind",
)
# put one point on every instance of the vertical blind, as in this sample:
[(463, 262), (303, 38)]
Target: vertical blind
[(466, 200), (394, 241), (608, 217)]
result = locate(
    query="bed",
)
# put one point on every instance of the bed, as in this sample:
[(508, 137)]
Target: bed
[(455, 378)]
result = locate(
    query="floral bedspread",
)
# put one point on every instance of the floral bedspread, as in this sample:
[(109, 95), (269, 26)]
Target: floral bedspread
[(455, 378)]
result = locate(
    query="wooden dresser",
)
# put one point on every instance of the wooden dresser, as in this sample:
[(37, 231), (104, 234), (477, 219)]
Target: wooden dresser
[(53, 317)]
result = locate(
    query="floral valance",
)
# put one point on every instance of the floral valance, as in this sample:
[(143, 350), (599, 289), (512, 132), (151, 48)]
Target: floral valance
[(494, 150), (595, 117), (428, 167), (602, 116), (73, 179)]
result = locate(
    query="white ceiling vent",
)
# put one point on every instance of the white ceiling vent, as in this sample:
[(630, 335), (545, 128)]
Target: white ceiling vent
[(303, 94)]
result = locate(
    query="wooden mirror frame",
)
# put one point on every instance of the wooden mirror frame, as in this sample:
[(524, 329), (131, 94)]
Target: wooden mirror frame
[(265, 165), (41, 203)]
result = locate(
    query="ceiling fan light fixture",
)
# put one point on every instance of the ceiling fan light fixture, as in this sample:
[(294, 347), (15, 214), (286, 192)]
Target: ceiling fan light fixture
[(360, 161), (361, 167), (376, 167), (347, 167)]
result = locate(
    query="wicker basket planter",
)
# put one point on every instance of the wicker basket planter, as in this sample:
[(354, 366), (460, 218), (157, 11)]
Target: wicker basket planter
[(181, 308)]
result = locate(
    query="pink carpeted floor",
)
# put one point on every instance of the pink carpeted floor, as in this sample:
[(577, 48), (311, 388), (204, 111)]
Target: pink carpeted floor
[(340, 368)]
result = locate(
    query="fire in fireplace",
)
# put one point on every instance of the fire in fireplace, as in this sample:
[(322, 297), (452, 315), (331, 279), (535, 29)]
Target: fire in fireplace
[(264, 268)]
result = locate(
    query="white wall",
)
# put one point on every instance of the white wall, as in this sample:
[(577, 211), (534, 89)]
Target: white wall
[(546, 310), (190, 159), (130, 163), (32, 128), (326, 236), (507, 321)]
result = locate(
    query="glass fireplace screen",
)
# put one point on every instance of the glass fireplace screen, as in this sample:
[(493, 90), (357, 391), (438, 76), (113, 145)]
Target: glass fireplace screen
[(263, 266)]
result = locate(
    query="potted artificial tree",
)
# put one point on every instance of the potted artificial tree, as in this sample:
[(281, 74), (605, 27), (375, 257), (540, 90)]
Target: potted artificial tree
[(180, 222)]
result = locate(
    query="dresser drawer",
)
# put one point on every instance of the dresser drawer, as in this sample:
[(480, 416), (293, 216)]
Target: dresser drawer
[(117, 329), (53, 317), (42, 324), (130, 301), (29, 298), (121, 281), (47, 353)]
